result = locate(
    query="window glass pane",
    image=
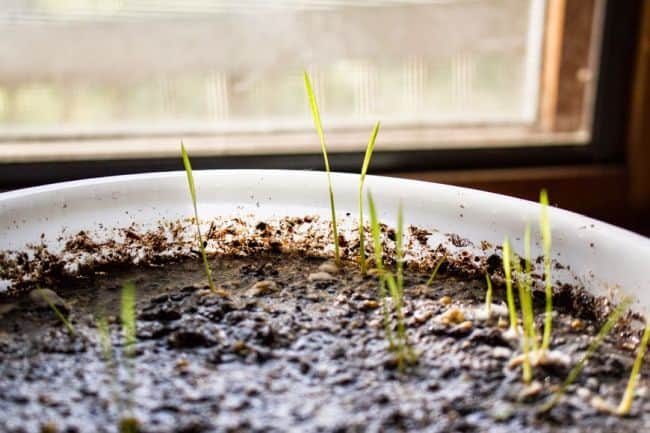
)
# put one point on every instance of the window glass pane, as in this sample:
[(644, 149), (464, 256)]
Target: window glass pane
[(94, 68)]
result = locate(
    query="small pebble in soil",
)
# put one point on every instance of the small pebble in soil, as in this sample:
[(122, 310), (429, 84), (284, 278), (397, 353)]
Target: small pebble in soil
[(369, 304), (329, 268), (531, 390), (43, 298), (577, 325), (500, 352), (320, 276), (452, 316), (262, 288)]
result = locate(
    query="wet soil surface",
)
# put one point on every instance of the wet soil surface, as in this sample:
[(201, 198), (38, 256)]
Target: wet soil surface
[(296, 347)]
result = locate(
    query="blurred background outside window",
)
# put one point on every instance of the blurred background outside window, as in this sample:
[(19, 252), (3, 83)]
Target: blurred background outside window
[(111, 79)]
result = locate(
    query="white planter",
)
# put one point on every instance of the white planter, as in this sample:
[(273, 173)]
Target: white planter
[(600, 256)]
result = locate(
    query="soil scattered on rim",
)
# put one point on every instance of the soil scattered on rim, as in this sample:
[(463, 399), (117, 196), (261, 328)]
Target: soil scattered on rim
[(297, 347)]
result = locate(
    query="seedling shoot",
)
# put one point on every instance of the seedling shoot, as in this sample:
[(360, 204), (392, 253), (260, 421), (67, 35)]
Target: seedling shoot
[(190, 182), (321, 136), (595, 344), (377, 248), (525, 300), (127, 316), (45, 295), (507, 270), (435, 270), (625, 405), (545, 228), (395, 285), (362, 178), (488, 296)]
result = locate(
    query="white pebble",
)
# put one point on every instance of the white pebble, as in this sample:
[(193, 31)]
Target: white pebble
[(328, 267), (320, 276)]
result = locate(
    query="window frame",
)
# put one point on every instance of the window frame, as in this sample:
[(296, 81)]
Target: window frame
[(606, 144)]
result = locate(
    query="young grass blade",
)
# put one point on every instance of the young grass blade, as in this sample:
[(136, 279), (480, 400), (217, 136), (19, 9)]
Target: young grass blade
[(377, 248), (190, 182), (105, 339), (128, 317), (595, 344), (107, 354), (321, 136), (488, 296), (435, 270), (362, 178), (527, 301), (50, 298), (404, 353), (626, 402), (545, 228), (406, 350), (507, 270), (399, 250), (523, 285)]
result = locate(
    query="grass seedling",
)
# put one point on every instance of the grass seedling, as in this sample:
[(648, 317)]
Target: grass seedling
[(107, 354), (128, 424), (45, 295), (321, 136), (595, 344), (190, 182), (105, 339), (362, 178), (545, 228), (399, 250), (507, 270), (395, 285), (488, 296), (127, 316), (435, 270), (377, 248), (406, 352), (625, 405), (524, 284)]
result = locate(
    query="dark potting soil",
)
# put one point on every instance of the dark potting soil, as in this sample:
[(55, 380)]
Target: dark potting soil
[(296, 347)]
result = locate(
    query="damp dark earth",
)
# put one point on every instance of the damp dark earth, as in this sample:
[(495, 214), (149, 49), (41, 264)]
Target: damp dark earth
[(298, 345)]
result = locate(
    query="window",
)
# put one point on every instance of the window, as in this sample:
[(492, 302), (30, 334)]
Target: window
[(91, 80)]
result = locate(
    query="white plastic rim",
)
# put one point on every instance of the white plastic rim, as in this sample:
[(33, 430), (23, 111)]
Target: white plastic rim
[(602, 257)]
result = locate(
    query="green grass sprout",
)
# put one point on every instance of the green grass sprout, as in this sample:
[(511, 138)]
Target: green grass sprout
[(406, 351), (128, 423), (362, 178), (595, 344), (545, 228), (105, 339), (488, 296), (529, 316), (395, 283), (399, 253), (107, 354), (47, 298), (435, 270), (190, 182), (524, 283), (625, 405), (127, 316), (377, 248), (507, 270), (321, 136)]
